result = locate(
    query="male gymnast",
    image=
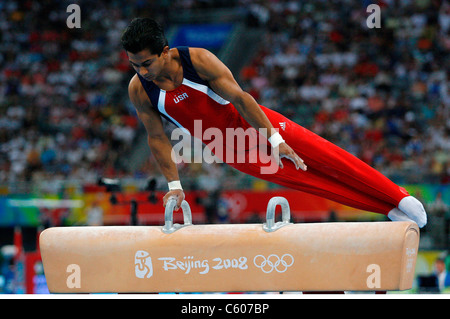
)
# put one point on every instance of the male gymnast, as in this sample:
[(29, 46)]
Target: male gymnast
[(186, 85)]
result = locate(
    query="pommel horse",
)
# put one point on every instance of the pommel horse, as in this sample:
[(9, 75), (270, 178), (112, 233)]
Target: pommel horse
[(274, 256)]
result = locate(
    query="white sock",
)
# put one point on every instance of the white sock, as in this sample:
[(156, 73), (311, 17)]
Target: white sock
[(396, 215), (414, 210)]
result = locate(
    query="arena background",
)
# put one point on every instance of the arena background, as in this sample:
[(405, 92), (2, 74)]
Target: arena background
[(67, 124)]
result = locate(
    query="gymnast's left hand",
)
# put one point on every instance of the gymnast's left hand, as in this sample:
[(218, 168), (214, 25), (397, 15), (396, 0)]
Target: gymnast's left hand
[(285, 151)]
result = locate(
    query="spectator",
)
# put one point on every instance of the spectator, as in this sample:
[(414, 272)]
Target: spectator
[(443, 276)]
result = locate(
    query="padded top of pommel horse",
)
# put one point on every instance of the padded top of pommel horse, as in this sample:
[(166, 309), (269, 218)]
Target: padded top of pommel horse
[(370, 256)]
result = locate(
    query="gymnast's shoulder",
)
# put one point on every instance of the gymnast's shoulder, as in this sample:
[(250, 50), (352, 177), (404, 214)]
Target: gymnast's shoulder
[(137, 92)]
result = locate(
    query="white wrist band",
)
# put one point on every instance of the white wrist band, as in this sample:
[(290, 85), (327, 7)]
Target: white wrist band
[(275, 139), (174, 185)]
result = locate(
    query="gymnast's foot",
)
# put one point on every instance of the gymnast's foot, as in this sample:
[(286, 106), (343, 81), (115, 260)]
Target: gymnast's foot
[(396, 215), (409, 209)]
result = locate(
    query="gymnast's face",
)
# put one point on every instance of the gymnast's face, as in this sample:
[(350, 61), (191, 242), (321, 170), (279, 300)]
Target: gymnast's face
[(147, 64)]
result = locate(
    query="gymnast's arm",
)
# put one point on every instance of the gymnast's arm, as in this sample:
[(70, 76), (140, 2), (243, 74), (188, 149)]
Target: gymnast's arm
[(221, 80), (158, 141)]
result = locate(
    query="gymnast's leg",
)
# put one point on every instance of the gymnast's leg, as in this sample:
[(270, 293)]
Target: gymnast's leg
[(350, 173), (315, 182)]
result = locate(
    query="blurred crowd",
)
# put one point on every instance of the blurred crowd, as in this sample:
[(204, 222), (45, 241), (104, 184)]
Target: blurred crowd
[(381, 94), (63, 92)]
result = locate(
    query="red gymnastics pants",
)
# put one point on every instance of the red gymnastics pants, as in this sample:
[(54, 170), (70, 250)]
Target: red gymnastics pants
[(332, 172)]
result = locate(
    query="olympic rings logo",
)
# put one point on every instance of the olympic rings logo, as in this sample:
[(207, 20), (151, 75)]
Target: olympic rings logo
[(273, 262)]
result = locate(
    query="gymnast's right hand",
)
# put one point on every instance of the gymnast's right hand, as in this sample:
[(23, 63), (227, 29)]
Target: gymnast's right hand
[(178, 194)]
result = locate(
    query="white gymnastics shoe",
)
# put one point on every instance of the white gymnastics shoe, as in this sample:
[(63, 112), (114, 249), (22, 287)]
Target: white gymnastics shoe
[(396, 215), (414, 210)]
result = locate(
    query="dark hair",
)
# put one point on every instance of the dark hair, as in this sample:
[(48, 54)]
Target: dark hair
[(144, 33)]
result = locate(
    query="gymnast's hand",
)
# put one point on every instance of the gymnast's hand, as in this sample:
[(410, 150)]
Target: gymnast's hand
[(178, 194), (285, 151)]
